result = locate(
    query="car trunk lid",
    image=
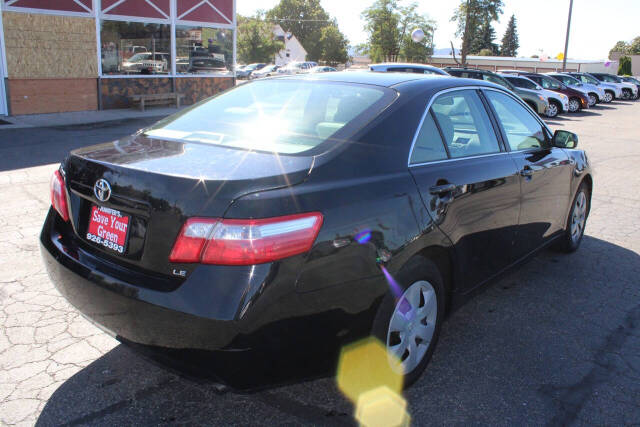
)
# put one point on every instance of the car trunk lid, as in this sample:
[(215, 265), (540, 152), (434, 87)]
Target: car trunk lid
[(156, 184)]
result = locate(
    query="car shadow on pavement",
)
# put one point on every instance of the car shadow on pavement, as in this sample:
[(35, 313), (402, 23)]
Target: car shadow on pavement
[(554, 341)]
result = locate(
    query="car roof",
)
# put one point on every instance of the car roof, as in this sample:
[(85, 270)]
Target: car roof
[(367, 77), (436, 81), (402, 64)]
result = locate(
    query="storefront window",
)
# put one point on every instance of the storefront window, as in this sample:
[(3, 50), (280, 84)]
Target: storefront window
[(202, 50), (135, 48)]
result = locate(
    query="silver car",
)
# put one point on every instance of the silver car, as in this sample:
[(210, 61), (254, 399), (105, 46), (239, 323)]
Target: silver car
[(594, 93), (629, 91), (395, 67), (558, 102), (611, 91)]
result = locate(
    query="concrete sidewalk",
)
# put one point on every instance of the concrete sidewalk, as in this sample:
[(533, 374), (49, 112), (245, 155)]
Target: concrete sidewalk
[(83, 117)]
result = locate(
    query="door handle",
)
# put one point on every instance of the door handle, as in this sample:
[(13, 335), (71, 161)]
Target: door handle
[(526, 172), (442, 189)]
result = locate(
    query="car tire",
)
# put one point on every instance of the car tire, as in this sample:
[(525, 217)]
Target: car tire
[(576, 222), (553, 109), (574, 105), (608, 97), (422, 276), (626, 94), (593, 99)]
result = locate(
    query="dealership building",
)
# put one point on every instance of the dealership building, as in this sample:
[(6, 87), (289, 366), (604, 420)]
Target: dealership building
[(76, 55)]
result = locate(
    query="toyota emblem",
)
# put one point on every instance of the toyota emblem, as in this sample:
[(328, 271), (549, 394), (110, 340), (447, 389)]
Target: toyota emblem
[(102, 190)]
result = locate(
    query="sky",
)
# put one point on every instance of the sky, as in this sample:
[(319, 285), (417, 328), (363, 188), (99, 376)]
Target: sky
[(596, 25)]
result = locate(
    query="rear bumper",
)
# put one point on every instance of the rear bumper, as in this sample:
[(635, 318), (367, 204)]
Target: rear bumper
[(128, 311)]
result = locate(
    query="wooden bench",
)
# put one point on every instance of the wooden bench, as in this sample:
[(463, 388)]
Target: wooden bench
[(157, 99)]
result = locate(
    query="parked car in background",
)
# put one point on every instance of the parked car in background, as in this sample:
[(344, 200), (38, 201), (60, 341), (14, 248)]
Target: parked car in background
[(611, 91), (577, 98), (538, 102), (322, 69), (266, 71), (558, 103), (245, 72), (594, 93), (147, 63), (207, 64), (629, 91), (265, 224), (296, 68), (407, 68), (631, 80)]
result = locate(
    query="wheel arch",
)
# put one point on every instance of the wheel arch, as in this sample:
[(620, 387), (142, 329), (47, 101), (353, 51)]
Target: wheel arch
[(443, 259)]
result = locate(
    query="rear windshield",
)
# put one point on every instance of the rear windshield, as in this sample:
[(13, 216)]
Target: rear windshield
[(281, 116)]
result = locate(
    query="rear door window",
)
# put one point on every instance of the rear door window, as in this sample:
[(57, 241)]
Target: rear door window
[(523, 131), (464, 123)]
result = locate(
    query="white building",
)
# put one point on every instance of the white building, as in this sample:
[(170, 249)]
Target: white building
[(293, 51), (495, 63)]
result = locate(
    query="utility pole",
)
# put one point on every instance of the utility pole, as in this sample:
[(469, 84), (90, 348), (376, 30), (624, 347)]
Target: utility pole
[(566, 42)]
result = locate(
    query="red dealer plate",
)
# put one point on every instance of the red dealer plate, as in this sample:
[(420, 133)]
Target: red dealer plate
[(108, 228)]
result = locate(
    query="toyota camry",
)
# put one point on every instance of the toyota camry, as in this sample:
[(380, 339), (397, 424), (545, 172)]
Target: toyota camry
[(312, 211)]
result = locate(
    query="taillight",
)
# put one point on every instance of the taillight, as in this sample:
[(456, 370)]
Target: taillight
[(245, 241), (59, 196)]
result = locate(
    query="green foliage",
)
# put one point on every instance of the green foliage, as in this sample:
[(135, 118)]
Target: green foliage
[(631, 48), (624, 69), (620, 47), (634, 46), (474, 18), (256, 42), (486, 52), (306, 19), (484, 40), (334, 46), (390, 26), (510, 40)]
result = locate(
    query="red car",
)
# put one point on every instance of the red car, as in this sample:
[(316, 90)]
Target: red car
[(577, 100)]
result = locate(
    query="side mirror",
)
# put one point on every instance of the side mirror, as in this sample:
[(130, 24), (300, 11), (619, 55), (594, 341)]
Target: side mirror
[(565, 139)]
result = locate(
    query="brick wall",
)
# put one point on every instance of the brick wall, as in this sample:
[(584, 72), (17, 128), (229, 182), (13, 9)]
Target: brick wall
[(35, 96)]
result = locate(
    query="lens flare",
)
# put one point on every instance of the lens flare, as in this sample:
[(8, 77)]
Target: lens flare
[(393, 285), (382, 407), (363, 237), (366, 377)]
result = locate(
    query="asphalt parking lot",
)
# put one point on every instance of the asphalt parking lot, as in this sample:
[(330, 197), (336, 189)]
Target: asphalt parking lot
[(555, 342)]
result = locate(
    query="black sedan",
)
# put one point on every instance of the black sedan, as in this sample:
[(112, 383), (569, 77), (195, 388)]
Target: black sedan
[(306, 212)]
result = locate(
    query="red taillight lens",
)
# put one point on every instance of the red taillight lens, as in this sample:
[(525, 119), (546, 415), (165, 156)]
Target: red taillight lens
[(245, 241), (59, 196)]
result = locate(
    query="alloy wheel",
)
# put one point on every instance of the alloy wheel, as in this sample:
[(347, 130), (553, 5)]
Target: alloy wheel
[(578, 217), (626, 94), (608, 97), (412, 326), (574, 105), (552, 111), (592, 100)]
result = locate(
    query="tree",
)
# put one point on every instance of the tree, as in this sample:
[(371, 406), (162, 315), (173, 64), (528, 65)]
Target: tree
[(256, 42), (484, 39), (334, 46), (624, 69), (510, 42), (634, 46), (390, 26), (620, 47), (305, 19), (470, 16)]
